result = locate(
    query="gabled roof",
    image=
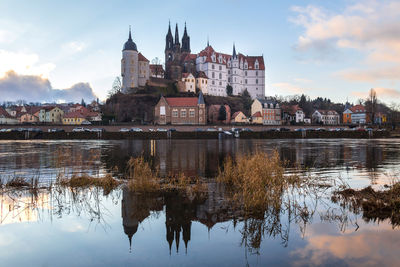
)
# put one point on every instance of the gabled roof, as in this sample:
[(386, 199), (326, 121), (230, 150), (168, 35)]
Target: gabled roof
[(358, 109), (75, 114), (4, 113), (327, 112), (142, 58), (237, 113), (265, 103), (182, 101), (186, 74), (251, 60), (201, 74), (257, 114)]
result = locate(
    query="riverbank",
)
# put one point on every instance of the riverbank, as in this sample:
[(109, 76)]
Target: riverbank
[(190, 135)]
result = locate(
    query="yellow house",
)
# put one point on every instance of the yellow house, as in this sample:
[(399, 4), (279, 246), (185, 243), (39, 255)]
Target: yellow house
[(73, 118), (190, 83), (239, 117), (257, 118), (202, 82)]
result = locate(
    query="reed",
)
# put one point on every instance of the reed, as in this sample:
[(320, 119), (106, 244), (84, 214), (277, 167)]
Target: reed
[(108, 183), (257, 181)]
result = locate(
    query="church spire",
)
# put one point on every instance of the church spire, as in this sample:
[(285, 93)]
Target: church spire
[(176, 34), (234, 51), (185, 32), (130, 35)]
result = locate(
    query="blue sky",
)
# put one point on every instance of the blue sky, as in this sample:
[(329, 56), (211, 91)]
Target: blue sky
[(337, 49)]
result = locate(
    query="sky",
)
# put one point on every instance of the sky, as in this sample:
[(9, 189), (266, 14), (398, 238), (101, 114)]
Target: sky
[(337, 49)]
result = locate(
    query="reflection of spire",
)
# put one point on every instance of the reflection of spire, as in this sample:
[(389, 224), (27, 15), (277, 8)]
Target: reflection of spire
[(186, 233), (170, 236), (177, 237)]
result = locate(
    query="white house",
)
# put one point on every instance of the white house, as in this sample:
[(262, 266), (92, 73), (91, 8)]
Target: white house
[(190, 82), (326, 117), (6, 118)]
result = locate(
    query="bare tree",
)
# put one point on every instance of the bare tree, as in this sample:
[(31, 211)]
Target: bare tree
[(158, 66), (116, 87), (372, 103)]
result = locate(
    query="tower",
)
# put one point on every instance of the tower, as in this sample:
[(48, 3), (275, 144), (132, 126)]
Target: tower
[(169, 45), (129, 65), (185, 42)]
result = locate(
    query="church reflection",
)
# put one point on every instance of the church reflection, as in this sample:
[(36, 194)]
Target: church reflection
[(180, 212)]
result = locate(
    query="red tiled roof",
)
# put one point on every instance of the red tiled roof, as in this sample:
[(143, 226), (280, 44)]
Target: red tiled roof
[(4, 113), (251, 60), (358, 109), (142, 58), (75, 114), (201, 74), (156, 68), (181, 101), (257, 114), (190, 57)]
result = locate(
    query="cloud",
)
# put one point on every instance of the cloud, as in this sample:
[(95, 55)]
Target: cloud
[(386, 93), (74, 47), (367, 247), (370, 28), (34, 88), (23, 63), (288, 88), (372, 74)]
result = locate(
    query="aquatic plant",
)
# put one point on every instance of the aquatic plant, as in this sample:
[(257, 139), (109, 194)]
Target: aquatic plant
[(108, 183)]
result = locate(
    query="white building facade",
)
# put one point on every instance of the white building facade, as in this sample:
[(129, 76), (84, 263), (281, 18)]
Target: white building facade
[(239, 71)]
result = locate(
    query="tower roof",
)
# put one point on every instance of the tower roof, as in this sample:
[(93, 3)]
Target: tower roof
[(176, 34), (234, 55), (130, 45)]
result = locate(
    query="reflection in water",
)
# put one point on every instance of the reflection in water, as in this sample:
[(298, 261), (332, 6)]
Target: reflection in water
[(346, 158), (334, 234)]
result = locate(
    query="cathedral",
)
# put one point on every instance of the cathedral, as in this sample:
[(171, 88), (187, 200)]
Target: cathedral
[(240, 72), (135, 68), (178, 58)]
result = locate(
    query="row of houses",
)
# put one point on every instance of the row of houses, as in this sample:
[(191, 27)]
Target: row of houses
[(358, 114), (265, 111), (70, 114)]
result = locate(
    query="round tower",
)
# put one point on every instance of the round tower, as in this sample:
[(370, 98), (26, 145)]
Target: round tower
[(129, 65)]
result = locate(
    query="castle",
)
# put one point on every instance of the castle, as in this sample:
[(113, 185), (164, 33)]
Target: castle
[(237, 70), (213, 71)]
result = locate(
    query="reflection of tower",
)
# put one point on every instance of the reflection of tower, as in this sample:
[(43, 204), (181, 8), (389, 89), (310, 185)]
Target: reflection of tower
[(178, 216), (136, 208)]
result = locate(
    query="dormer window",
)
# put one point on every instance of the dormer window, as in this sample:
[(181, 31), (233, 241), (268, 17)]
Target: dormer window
[(246, 65), (256, 65)]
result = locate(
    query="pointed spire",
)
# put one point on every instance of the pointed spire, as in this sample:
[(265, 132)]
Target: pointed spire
[(169, 28), (234, 51), (176, 34), (130, 243), (185, 31), (208, 41), (130, 35), (201, 98)]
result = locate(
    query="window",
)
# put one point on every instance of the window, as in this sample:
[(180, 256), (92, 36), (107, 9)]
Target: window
[(191, 113), (220, 83), (245, 81), (256, 73), (245, 73), (220, 67), (212, 66), (183, 113), (213, 75), (256, 81), (229, 72), (175, 113), (220, 76), (213, 82)]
